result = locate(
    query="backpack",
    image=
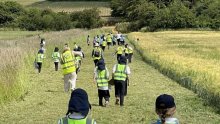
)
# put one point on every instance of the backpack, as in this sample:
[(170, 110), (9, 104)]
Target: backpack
[(97, 53)]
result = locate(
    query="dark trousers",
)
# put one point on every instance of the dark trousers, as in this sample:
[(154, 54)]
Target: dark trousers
[(118, 57), (39, 66), (109, 44), (118, 40), (103, 48), (77, 70), (120, 90), (130, 57), (127, 56), (56, 65), (103, 94), (114, 43), (126, 87), (122, 42), (96, 61)]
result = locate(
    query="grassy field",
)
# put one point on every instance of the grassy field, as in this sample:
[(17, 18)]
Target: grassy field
[(189, 57), (45, 102), (10, 35), (68, 6)]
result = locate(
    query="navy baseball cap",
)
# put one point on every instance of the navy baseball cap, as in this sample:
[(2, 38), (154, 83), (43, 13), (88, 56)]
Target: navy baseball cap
[(165, 101)]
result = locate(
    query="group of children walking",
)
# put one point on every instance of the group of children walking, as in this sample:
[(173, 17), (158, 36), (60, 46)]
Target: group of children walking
[(165, 105), (79, 105)]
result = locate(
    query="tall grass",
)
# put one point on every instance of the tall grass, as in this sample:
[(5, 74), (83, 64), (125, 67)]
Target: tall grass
[(13, 73), (190, 58), (16, 53)]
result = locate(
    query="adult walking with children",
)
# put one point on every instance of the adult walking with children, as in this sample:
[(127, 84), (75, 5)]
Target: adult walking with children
[(69, 68)]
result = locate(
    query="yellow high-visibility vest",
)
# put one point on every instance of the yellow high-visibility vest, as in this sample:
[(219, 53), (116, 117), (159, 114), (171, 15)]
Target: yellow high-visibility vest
[(40, 57), (119, 50), (102, 79), (120, 74), (68, 62)]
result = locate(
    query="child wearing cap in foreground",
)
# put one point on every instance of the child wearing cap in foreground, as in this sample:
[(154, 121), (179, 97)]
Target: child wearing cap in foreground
[(165, 109), (78, 109)]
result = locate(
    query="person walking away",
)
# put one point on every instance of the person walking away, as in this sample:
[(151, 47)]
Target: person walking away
[(88, 40), (97, 39), (42, 42), (103, 45), (78, 59), (69, 68), (97, 53), (101, 77), (119, 52), (120, 73), (122, 40), (118, 36), (39, 60), (130, 53), (165, 109), (94, 41), (56, 58), (126, 51), (78, 109), (109, 40), (114, 39)]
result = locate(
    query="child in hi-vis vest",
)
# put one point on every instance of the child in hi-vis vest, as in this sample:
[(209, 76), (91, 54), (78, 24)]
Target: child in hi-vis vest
[(101, 77)]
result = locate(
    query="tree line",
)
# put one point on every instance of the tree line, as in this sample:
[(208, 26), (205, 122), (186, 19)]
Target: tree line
[(14, 15), (81, 0), (152, 15)]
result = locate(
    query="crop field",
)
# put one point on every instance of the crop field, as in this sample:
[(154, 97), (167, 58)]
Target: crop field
[(189, 57), (45, 102), (68, 6)]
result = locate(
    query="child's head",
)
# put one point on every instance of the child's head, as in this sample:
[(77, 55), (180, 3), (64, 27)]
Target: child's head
[(165, 106), (79, 102), (56, 49), (126, 45)]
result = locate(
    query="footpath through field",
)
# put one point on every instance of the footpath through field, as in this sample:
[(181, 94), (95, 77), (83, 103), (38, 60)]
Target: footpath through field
[(46, 101)]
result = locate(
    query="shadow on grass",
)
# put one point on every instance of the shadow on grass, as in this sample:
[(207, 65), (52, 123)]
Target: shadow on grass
[(93, 104), (53, 91)]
